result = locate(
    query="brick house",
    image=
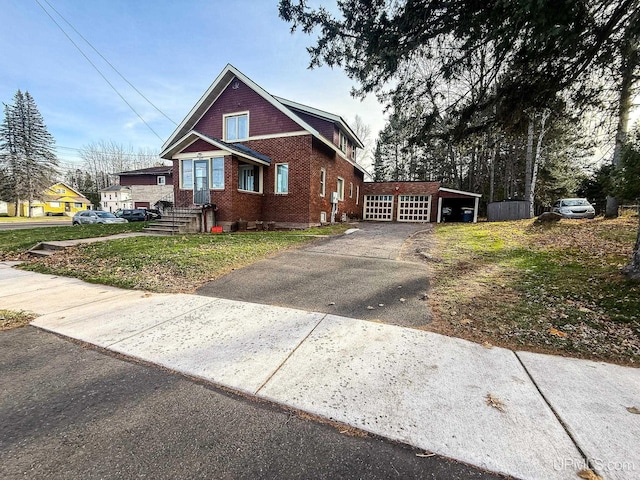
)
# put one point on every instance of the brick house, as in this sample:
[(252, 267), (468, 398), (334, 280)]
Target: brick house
[(261, 157), (149, 186)]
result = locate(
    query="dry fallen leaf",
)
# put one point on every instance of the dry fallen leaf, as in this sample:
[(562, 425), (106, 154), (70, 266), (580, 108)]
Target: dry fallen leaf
[(487, 345), (403, 300), (494, 402), (425, 455), (557, 333), (635, 410), (465, 321), (369, 307), (589, 475)]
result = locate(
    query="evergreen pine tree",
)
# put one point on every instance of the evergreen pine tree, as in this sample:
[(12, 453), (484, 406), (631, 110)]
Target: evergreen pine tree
[(27, 151)]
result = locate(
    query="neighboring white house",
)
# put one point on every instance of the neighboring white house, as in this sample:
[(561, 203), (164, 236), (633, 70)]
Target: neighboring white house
[(115, 197)]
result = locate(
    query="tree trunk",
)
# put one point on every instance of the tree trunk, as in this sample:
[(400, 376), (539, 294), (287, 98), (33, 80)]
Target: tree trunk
[(633, 269), (492, 172), (528, 165), (624, 107), (536, 161)]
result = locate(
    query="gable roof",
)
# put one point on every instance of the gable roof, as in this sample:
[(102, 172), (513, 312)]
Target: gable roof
[(51, 188), (228, 74), (235, 148), (115, 188), (324, 115), (159, 170)]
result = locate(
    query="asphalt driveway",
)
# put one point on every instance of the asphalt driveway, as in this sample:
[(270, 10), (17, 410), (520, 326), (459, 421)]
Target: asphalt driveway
[(358, 275)]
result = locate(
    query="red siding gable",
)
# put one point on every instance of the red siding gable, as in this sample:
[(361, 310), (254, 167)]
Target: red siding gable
[(264, 118), (326, 128)]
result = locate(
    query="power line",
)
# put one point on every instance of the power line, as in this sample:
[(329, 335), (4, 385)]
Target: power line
[(97, 69), (109, 63)]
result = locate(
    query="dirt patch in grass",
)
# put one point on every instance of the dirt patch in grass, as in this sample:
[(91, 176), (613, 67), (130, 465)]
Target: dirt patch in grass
[(10, 319), (555, 289)]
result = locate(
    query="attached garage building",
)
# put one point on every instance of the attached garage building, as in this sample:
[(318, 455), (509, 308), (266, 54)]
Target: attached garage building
[(419, 202)]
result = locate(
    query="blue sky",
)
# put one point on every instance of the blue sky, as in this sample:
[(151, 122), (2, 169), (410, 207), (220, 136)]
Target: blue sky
[(169, 50)]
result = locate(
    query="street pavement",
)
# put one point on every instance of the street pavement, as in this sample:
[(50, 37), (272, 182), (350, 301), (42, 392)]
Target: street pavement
[(521, 414), (5, 225), (69, 412)]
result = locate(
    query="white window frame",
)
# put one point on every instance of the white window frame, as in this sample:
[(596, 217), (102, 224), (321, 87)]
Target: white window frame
[(245, 166), (228, 116), (213, 185), (54, 204), (357, 194), (161, 180), (275, 187), (340, 189), (323, 182), (350, 189), (183, 186), (343, 141)]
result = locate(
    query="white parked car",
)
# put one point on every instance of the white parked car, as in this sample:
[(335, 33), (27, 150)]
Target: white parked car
[(574, 208)]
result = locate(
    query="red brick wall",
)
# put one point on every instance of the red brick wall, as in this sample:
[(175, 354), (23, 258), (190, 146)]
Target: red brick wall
[(264, 118), (336, 167), (302, 204), (405, 188)]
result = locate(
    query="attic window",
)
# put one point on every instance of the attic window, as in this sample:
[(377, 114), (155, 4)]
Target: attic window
[(161, 180), (343, 142), (236, 127)]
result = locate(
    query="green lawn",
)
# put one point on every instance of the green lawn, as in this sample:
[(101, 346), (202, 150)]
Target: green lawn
[(179, 263), (548, 288), (15, 242)]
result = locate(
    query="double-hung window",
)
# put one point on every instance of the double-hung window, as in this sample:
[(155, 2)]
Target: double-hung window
[(217, 173), (340, 186), (323, 182), (236, 127), (249, 178), (282, 178), (186, 179)]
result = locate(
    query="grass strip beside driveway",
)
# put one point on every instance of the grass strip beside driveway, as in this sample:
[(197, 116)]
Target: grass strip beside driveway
[(554, 289), (170, 264)]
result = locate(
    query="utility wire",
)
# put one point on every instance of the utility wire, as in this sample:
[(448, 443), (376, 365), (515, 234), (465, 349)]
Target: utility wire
[(97, 69), (109, 63)]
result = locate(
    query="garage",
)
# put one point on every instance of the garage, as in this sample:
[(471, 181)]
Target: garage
[(378, 208), (418, 202), (414, 208)]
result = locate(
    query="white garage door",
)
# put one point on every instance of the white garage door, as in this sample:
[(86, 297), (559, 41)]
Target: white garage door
[(414, 208), (378, 207)]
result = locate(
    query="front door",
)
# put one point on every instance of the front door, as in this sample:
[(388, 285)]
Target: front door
[(201, 194)]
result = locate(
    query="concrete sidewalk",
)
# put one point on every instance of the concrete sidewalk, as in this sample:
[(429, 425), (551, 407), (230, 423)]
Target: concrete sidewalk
[(526, 415)]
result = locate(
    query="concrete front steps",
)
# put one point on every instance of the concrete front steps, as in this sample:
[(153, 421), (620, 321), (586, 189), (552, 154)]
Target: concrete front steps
[(175, 222), (44, 249)]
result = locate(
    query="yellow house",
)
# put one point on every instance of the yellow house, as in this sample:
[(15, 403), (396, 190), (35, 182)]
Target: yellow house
[(58, 199)]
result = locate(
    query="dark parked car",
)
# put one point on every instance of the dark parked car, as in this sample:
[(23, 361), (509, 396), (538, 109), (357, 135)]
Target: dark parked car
[(87, 217), (132, 215)]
